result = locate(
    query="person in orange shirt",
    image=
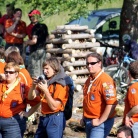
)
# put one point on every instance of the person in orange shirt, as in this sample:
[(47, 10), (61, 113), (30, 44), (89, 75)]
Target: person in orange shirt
[(8, 15), (13, 101), (24, 75), (131, 100), (53, 99), (15, 30), (99, 99)]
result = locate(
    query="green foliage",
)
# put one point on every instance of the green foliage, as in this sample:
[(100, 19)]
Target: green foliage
[(76, 8), (59, 12)]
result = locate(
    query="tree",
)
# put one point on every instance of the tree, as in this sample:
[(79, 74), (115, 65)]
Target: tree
[(129, 20)]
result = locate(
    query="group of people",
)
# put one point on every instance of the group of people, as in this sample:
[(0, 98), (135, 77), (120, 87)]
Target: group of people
[(20, 87), (15, 31)]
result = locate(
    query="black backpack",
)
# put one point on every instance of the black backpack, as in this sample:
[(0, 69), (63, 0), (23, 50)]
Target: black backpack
[(69, 104)]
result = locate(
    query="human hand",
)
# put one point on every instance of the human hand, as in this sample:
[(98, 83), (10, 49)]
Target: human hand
[(23, 114), (128, 121), (17, 19), (42, 85), (96, 122)]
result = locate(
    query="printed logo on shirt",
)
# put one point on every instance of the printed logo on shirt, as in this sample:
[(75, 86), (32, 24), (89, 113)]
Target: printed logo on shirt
[(13, 104), (133, 91), (92, 97)]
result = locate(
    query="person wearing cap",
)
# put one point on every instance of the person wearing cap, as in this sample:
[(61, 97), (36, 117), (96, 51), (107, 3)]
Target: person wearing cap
[(37, 44), (15, 30), (99, 99)]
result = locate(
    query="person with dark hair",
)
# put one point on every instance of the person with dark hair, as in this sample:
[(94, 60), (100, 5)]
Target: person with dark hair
[(131, 100), (99, 99), (125, 132), (37, 44), (53, 99), (15, 30), (8, 15), (24, 75)]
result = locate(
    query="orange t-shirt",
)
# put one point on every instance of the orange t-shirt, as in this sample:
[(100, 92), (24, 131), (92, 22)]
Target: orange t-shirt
[(2, 65), (131, 100), (61, 93), (25, 77), (20, 29), (101, 93), (16, 100)]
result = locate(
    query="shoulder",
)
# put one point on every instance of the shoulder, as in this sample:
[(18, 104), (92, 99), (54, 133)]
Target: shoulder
[(133, 88), (105, 77), (22, 22)]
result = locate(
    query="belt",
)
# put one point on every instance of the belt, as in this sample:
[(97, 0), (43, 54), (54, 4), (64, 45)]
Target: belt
[(47, 115)]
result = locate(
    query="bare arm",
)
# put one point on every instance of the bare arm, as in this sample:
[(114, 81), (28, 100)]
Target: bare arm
[(18, 35), (109, 109), (12, 27), (53, 103), (32, 110), (32, 93), (133, 111), (32, 41)]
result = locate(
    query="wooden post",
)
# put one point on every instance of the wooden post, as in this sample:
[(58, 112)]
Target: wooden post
[(60, 50), (75, 63), (81, 45), (77, 72), (60, 41), (77, 36)]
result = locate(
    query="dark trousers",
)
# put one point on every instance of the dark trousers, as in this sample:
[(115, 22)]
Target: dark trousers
[(13, 127), (51, 126)]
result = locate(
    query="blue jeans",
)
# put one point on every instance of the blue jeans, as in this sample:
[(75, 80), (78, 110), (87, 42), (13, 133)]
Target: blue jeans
[(9, 128), (51, 126), (101, 131), (22, 123), (135, 129)]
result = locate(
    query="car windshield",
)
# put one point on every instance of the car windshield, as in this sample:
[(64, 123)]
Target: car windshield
[(91, 21)]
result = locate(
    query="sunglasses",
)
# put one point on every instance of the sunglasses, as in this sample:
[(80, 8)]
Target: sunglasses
[(10, 72), (91, 63)]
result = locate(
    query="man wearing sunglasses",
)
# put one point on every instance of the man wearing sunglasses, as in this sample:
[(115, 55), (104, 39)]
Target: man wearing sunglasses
[(99, 99)]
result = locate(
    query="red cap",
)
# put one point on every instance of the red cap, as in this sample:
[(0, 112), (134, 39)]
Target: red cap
[(34, 12)]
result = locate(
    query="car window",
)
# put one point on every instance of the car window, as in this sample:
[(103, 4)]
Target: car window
[(110, 28), (91, 22)]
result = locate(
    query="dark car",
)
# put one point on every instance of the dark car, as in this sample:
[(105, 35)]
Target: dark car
[(105, 22)]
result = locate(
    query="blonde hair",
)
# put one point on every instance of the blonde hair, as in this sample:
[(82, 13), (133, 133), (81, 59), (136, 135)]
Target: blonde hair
[(12, 65)]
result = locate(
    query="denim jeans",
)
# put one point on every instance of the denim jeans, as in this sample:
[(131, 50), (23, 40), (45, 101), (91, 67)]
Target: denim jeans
[(22, 123), (9, 128), (135, 130), (51, 126), (13, 127), (101, 131)]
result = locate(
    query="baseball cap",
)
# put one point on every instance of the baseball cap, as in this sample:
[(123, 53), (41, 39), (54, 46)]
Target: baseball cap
[(34, 12)]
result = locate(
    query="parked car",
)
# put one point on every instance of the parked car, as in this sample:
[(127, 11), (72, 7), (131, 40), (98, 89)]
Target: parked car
[(105, 22)]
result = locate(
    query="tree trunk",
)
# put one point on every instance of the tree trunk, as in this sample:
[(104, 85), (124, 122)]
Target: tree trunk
[(129, 20)]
